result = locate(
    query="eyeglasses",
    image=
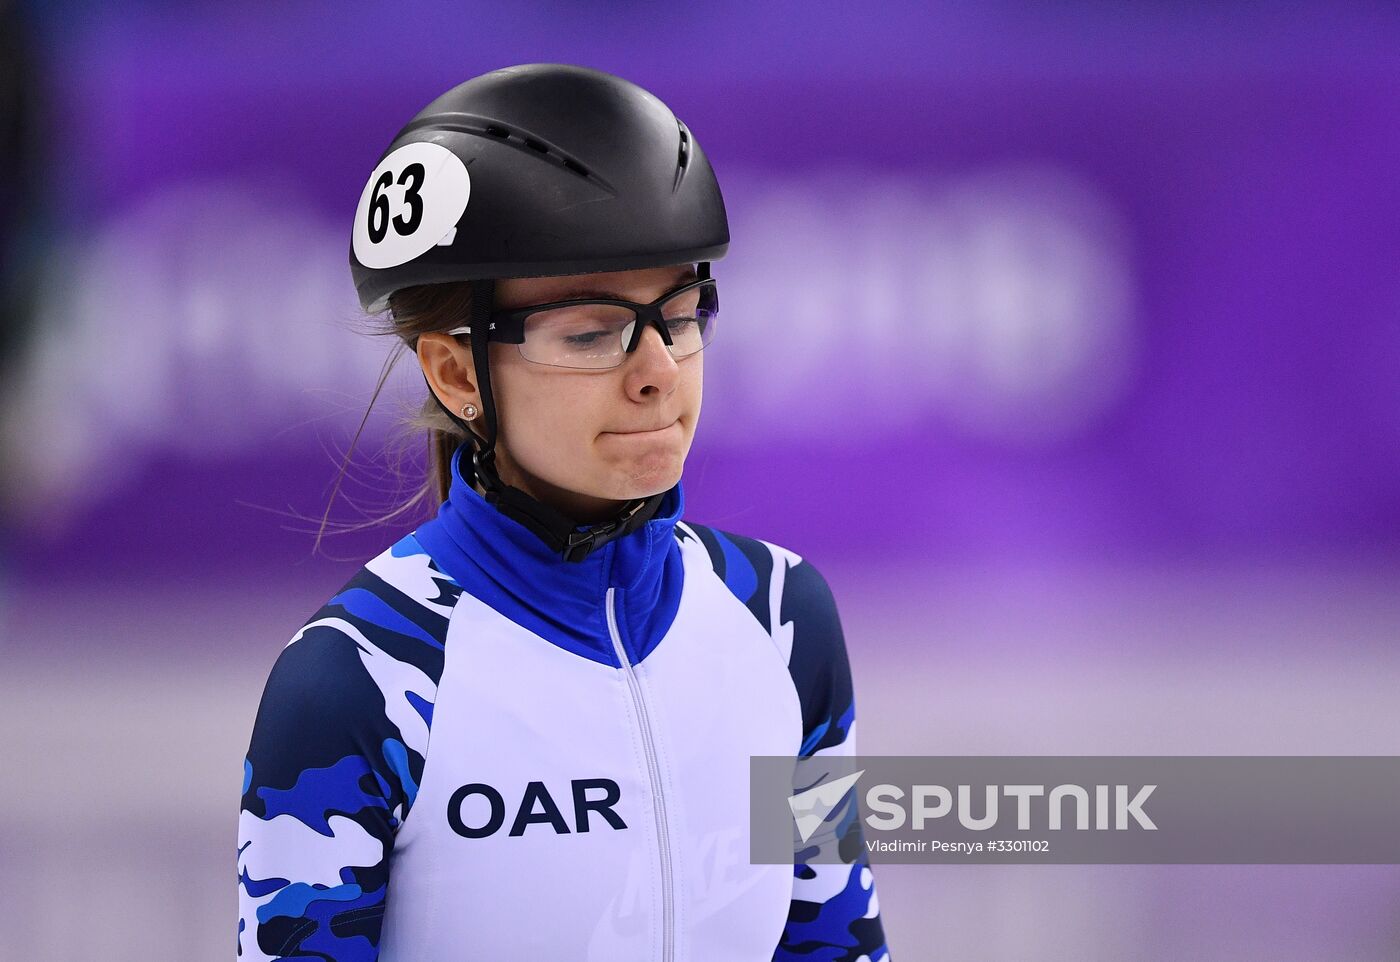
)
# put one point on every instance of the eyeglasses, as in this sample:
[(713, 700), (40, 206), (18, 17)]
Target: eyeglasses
[(598, 333)]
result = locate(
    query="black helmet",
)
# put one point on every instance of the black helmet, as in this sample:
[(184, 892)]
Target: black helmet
[(531, 171)]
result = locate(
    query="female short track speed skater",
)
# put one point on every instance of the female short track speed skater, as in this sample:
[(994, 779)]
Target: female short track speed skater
[(523, 731)]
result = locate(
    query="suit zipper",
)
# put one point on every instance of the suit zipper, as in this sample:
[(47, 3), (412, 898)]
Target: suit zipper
[(654, 770)]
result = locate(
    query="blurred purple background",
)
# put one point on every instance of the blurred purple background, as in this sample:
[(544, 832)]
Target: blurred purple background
[(1064, 340)]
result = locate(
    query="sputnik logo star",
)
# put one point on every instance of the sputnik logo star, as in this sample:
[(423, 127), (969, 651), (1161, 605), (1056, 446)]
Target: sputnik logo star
[(812, 807)]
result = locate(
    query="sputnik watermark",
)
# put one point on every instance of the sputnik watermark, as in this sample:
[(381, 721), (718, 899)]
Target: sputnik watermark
[(812, 807), (1077, 809), (885, 799)]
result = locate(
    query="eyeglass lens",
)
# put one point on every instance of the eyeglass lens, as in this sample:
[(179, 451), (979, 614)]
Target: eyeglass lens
[(597, 335)]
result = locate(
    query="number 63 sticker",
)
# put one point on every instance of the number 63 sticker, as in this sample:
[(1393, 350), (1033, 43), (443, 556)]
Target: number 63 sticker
[(412, 200)]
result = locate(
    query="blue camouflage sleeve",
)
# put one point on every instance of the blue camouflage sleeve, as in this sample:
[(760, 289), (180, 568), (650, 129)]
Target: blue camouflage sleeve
[(333, 766), (834, 915)]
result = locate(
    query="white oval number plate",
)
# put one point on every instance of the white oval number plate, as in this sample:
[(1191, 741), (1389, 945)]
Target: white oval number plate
[(413, 200)]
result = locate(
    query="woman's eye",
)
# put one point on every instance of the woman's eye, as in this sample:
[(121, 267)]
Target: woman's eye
[(677, 324), (584, 340)]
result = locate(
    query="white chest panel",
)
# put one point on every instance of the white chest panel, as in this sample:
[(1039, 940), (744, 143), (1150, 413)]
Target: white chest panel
[(713, 692)]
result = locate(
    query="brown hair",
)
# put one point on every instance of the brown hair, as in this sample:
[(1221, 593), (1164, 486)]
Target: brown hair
[(414, 311)]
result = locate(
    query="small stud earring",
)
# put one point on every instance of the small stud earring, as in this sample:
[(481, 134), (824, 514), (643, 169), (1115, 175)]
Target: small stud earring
[(468, 411)]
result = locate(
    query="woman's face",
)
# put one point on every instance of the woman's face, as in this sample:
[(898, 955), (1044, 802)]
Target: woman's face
[(582, 440)]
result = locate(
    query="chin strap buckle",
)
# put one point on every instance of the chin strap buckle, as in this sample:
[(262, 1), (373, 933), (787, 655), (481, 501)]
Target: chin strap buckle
[(579, 543), (578, 546)]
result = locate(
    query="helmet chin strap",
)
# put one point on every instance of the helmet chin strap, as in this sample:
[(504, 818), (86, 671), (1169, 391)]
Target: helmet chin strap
[(572, 541)]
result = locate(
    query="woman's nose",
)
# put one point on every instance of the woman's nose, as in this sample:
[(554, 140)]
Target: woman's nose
[(651, 368)]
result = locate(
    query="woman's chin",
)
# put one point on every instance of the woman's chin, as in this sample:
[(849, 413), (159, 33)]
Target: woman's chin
[(648, 476)]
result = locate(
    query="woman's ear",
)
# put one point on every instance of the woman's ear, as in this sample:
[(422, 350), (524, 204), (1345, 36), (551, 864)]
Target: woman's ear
[(450, 370)]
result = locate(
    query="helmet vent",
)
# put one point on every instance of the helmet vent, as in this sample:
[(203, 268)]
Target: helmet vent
[(520, 140), (510, 136), (684, 157)]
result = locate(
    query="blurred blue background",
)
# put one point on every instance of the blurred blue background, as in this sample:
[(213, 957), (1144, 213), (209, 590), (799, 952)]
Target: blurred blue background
[(1065, 340)]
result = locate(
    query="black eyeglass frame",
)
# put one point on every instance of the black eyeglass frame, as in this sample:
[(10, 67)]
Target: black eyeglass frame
[(507, 325)]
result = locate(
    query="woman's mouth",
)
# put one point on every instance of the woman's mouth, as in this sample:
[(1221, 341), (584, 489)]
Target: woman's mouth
[(646, 432)]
